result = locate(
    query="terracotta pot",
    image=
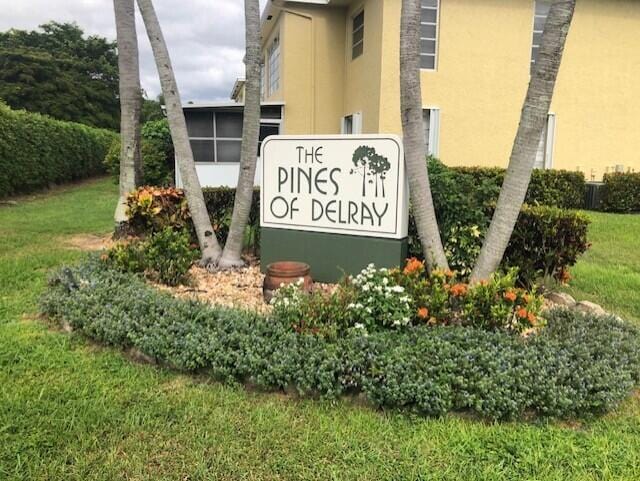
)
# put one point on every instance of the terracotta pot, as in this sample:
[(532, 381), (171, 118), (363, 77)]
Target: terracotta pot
[(285, 272)]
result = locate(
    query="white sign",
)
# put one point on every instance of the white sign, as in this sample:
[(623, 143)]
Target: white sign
[(345, 184)]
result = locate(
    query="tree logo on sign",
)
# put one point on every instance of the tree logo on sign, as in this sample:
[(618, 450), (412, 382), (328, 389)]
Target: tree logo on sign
[(372, 167)]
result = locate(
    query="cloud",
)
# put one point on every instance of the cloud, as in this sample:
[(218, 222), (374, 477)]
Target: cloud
[(205, 38)]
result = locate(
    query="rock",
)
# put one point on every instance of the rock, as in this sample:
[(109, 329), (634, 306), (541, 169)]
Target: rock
[(66, 327), (137, 355), (561, 299), (590, 308)]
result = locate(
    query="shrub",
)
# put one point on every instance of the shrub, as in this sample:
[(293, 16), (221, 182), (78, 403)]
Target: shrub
[(576, 366), (157, 154), (546, 241), (165, 256), (37, 151), (169, 255), (464, 205), (378, 299), (151, 209), (621, 192)]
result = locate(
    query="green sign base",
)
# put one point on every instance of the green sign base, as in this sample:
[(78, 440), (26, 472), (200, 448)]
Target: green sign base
[(330, 255)]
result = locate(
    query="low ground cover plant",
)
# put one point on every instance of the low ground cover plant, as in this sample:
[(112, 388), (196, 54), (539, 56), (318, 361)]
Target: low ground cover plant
[(578, 365)]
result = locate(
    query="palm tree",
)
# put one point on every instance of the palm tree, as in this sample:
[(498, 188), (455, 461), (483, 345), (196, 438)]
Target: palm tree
[(413, 137), (250, 134), (130, 106), (206, 237), (532, 122)]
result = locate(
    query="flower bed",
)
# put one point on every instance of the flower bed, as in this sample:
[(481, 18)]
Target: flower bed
[(576, 366)]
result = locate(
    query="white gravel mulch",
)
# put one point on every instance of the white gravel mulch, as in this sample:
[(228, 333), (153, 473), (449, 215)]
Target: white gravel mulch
[(239, 288)]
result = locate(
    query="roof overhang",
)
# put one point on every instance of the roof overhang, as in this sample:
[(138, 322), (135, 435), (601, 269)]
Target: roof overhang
[(225, 104)]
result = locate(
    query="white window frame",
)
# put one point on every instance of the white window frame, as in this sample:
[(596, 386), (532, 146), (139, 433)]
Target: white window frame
[(436, 40), (356, 123), (273, 60), (433, 142), (353, 32), (549, 139)]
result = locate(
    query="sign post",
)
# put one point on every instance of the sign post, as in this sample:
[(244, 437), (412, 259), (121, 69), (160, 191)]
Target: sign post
[(336, 202)]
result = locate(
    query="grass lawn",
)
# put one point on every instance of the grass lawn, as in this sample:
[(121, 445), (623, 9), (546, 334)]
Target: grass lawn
[(609, 273), (70, 410)]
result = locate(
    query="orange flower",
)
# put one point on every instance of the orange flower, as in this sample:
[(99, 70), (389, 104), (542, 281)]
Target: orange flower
[(413, 265), (522, 313), (532, 318), (423, 312), (458, 290), (449, 273), (510, 296)]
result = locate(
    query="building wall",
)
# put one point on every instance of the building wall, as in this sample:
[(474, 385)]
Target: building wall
[(483, 73), (363, 74), (312, 68)]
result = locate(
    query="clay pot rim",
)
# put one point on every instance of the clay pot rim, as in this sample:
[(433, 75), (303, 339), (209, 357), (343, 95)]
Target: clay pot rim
[(288, 269)]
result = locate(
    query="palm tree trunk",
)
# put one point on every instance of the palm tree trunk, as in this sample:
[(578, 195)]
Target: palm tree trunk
[(178, 126), (250, 133), (413, 137), (532, 122), (130, 106)]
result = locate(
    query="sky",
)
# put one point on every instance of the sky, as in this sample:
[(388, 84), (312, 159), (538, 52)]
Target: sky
[(205, 38)]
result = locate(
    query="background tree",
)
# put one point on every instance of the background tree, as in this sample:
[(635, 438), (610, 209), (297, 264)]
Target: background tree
[(209, 246), (532, 122), (60, 72), (413, 136), (151, 108), (130, 105), (250, 133)]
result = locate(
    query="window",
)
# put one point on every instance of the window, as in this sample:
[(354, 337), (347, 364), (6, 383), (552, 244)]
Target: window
[(544, 154), (267, 129), (431, 124), (352, 123), (428, 33), (274, 66), (541, 11), (216, 134), (262, 83), (357, 35)]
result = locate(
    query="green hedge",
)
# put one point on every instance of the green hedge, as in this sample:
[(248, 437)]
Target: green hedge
[(37, 151), (557, 188), (577, 366), (621, 192), (545, 243)]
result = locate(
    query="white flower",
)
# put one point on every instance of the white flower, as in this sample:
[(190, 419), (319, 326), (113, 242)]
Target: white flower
[(396, 322), (398, 289), (365, 288), (351, 306), (368, 309), (371, 266), (385, 281), (357, 325), (300, 281)]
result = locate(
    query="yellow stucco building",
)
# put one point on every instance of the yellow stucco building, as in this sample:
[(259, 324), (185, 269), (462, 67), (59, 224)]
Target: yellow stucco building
[(334, 65)]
